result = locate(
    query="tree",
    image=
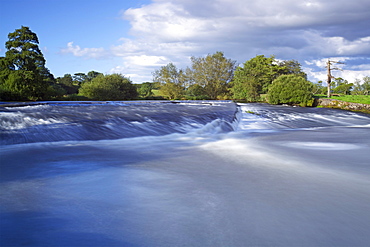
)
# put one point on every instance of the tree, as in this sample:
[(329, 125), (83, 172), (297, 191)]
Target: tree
[(66, 82), (213, 73), (341, 86), (171, 81), (23, 73), (196, 92), (80, 78), (91, 75), (245, 87), (290, 89), (254, 77), (172, 91), (329, 68), (145, 89), (109, 87), (318, 88), (292, 67), (362, 88)]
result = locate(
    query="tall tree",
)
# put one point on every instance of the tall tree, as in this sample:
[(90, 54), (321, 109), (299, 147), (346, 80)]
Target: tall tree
[(329, 68), (213, 73), (23, 73), (254, 77), (292, 67), (171, 81)]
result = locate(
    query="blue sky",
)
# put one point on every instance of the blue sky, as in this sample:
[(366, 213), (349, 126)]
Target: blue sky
[(137, 37)]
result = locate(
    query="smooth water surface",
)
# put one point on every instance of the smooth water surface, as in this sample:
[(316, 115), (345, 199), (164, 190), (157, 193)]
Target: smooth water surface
[(185, 174)]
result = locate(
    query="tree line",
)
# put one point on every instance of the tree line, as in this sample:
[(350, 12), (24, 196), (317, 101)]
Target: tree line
[(23, 76)]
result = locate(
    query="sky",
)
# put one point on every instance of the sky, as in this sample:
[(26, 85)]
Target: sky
[(137, 37)]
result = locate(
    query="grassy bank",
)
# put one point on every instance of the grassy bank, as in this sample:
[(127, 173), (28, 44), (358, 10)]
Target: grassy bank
[(361, 99)]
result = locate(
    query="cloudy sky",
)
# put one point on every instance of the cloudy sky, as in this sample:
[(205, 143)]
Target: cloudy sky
[(136, 37)]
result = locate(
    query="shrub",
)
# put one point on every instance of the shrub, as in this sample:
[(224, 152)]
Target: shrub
[(290, 89), (109, 87)]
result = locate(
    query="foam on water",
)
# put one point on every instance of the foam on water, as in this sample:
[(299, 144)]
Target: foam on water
[(279, 176), (109, 120)]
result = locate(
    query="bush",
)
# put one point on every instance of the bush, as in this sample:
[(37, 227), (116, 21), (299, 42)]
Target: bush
[(109, 87), (290, 89)]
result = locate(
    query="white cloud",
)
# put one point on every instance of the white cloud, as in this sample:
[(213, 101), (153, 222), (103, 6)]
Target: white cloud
[(316, 69), (337, 46), (248, 27), (172, 31), (85, 52), (165, 22), (349, 75), (362, 67), (135, 77), (133, 66), (144, 60)]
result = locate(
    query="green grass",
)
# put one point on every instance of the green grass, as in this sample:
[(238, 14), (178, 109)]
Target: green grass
[(156, 92), (362, 99), (252, 112)]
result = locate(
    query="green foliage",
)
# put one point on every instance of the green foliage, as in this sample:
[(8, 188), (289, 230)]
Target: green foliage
[(66, 82), (318, 88), (145, 89), (290, 89), (196, 92), (171, 81), (172, 91), (91, 75), (213, 73), (74, 97), (341, 86), (23, 75), (71, 84), (254, 77), (207, 78), (80, 78), (362, 88), (252, 112), (109, 87), (245, 87), (289, 67)]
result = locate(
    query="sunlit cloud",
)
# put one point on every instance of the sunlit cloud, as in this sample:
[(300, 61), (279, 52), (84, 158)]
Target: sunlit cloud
[(173, 31)]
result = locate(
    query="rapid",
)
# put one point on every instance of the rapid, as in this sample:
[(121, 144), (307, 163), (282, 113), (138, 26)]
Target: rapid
[(186, 173)]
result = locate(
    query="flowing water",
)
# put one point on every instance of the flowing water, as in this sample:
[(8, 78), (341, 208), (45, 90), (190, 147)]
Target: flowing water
[(207, 173)]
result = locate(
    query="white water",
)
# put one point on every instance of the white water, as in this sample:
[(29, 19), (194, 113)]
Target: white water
[(285, 177)]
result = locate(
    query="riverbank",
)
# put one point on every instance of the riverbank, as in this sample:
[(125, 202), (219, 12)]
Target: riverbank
[(339, 104)]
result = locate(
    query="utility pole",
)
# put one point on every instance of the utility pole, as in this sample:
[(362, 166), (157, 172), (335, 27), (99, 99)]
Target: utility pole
[(328, 64)]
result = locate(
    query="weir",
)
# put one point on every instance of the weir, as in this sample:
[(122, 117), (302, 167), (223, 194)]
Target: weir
[(283, 176), (66, 121)]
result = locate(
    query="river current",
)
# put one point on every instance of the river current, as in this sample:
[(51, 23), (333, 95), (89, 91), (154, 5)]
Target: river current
[(187, 173)]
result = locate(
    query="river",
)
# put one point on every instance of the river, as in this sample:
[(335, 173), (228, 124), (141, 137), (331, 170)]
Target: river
[(203, 173)]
